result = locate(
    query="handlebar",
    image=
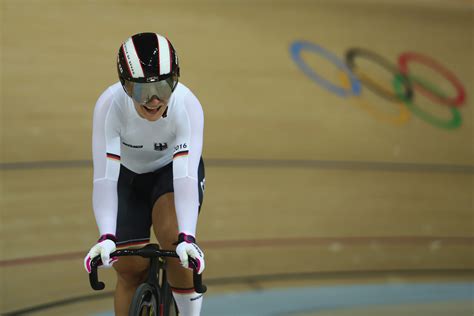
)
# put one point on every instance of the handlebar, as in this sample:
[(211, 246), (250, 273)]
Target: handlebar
[(149, 251)]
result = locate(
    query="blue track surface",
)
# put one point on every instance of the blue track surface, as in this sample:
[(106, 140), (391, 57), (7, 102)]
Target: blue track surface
[(312, 299)]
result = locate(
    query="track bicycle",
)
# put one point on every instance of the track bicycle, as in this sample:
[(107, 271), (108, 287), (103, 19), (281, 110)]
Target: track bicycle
[(153, 297)]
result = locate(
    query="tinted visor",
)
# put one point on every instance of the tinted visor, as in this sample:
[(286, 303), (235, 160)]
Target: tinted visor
[(143, 92)]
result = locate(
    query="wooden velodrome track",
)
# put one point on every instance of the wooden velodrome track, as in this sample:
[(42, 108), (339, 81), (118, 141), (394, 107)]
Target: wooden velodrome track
[(300, 181)]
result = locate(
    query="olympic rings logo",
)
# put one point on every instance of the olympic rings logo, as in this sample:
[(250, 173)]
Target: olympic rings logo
[(403, 85)]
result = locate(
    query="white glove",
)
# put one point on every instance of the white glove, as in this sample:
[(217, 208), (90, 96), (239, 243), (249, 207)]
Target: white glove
[(104, 248), (186, 248)]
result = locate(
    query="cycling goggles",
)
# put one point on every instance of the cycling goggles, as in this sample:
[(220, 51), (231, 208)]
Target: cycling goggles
[(142, 93)]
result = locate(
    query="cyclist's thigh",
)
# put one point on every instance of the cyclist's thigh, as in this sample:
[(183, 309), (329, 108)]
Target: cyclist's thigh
[(133, 221), (164, 220), (165, 224), (134, 209)]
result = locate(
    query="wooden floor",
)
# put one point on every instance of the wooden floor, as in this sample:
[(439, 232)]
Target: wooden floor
[(299, 180)]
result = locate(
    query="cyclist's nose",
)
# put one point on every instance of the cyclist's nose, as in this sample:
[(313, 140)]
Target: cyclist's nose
[(154, 101)]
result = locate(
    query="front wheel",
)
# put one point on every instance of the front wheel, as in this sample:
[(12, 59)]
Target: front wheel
[(169, 305), (144, 302), (170, 308)]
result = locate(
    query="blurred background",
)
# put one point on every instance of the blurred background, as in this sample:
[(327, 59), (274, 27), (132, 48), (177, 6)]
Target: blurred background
[(338, 149)]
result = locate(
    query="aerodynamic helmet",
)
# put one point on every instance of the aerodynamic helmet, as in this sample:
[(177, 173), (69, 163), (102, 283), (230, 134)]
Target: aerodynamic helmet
[(148, 66)]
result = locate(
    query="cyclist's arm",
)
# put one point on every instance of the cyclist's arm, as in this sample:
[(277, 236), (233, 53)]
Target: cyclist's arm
[(186, 157), (106, 159)]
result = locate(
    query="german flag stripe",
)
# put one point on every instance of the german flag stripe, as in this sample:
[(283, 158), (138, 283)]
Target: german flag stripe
[(113, 156), (181, 153)]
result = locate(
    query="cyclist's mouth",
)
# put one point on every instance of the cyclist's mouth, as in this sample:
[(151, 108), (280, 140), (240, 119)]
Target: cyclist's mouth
[(152, 110)]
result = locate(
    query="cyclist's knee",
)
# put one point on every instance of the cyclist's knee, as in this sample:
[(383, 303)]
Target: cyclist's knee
[(168, 239), (131, 271), (167, 235)]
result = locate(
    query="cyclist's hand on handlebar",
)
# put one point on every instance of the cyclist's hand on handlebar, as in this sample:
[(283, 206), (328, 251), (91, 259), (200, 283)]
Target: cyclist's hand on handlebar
[(186, 248), (104, 247)]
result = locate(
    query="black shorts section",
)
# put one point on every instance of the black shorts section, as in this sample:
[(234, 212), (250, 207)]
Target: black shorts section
[(137, 193)]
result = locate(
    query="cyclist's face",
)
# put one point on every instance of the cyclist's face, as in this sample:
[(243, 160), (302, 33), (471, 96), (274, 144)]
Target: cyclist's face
[(153, 110)]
